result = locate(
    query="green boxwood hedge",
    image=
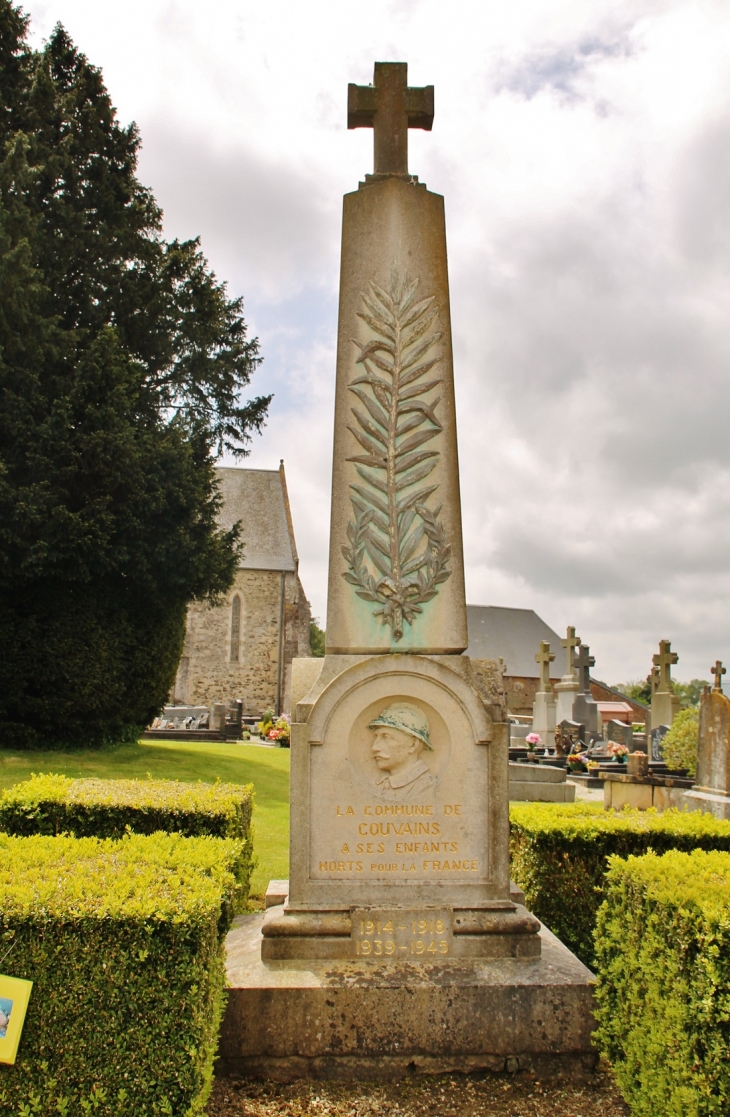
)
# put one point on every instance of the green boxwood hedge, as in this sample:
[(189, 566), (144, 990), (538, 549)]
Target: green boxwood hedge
[(559, 856), (51, 804), (123, 941), (663, 995)]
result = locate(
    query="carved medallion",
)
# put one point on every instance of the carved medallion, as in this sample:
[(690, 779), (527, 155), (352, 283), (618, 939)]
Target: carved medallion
[(397, 555)]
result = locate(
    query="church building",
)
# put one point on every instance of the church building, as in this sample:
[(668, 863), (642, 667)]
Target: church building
[(243, 647)]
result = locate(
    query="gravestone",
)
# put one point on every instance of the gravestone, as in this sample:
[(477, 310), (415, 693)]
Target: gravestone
[(585, 707), (621, 733), (657, 737), (543, 709), (401, 943), (570, 735), (711, 792), (664, 704), (568, 686)]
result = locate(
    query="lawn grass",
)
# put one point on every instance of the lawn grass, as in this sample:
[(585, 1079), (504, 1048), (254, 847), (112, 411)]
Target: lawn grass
[(267, 769)]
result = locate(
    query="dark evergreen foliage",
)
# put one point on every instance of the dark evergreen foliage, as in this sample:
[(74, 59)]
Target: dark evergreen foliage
[(122, 362)]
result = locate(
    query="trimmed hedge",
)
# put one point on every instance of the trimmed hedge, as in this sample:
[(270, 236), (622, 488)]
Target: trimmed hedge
[(663, 996), (53, 804), (559, 856), (123, 941)]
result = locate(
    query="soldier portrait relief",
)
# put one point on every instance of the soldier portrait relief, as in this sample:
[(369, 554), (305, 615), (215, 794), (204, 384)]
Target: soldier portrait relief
[(401, 733)]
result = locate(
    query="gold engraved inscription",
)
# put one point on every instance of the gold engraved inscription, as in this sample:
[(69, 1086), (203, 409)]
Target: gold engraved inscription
[(400, 838), (402, 934)]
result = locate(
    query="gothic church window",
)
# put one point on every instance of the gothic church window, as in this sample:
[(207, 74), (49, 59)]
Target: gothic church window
[(236, 629)]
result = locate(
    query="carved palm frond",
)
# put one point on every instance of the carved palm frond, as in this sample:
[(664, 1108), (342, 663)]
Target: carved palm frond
[(397, 555)]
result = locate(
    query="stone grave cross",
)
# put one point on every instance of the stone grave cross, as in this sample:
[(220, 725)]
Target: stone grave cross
[(584, 661), (570, 642), (664, 704), (585, 709), (544, 658), (390, 107), (718, 671), (543, 709), (663, 661), (568, 687)]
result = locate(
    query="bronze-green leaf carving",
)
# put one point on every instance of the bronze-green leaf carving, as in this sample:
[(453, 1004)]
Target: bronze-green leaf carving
[(398, 555)]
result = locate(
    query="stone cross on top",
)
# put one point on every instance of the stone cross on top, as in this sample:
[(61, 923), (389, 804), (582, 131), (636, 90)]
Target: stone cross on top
[(663, 661), (570, 642), (718, 671), (584, 661), (544, 657), (390, 107)]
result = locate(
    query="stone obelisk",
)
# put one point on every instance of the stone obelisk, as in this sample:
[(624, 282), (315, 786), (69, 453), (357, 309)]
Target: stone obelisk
[(396, 571), (400, 943)]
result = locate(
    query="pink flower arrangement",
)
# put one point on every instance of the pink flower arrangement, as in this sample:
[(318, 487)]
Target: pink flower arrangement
[(533, 739), (280, 730), (615, 748)]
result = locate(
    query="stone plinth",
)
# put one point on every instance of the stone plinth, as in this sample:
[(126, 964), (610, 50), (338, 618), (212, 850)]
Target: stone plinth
[(566, 691), (539, 783), (428, 839), (353, 1020), (396, 569), (664, 708), (642, 792), (544, 718)]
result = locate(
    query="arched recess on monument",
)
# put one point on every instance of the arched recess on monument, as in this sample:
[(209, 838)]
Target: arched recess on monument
[(236, 629)]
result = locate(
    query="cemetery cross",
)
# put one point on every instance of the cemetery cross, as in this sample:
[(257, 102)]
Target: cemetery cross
[(544, 657), (390, 107), (718, 671), (663, 661), (570, 642), (584, 661)]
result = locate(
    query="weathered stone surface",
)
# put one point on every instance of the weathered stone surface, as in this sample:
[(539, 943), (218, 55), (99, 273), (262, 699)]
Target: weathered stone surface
[(539, 783), (361, 1019), (355, 839), (713, 755), (243, 646), (393, 235), (712, 791), (664, 704), (569, 686), (399, 761), (209, 673), (544, 709)]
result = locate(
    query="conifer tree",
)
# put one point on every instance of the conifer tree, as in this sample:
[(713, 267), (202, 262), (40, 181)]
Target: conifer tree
[(122, 364)]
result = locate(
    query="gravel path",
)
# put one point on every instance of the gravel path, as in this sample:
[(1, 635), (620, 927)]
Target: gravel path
[(450, 1096)]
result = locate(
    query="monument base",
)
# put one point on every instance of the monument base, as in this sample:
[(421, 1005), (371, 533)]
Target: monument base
[(499, 933), (354, 1020), (709, 801)]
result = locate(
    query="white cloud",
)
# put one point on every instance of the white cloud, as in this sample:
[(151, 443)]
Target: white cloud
[(583, 153)]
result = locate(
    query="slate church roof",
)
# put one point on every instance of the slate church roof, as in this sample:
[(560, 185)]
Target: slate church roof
[(513, 634), (258, 498)]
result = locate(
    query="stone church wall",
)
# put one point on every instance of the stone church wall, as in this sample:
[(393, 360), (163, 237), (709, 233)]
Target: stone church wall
[(217, 667)]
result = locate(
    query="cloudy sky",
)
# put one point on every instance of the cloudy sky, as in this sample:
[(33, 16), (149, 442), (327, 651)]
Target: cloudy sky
[(584, 153)]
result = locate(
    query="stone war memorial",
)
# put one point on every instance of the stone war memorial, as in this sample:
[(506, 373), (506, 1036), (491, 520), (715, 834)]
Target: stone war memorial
[(398, 944)]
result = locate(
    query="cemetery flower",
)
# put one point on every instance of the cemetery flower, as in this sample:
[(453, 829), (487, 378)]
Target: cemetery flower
[(280, 731), (615, 748), (533, 739)]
